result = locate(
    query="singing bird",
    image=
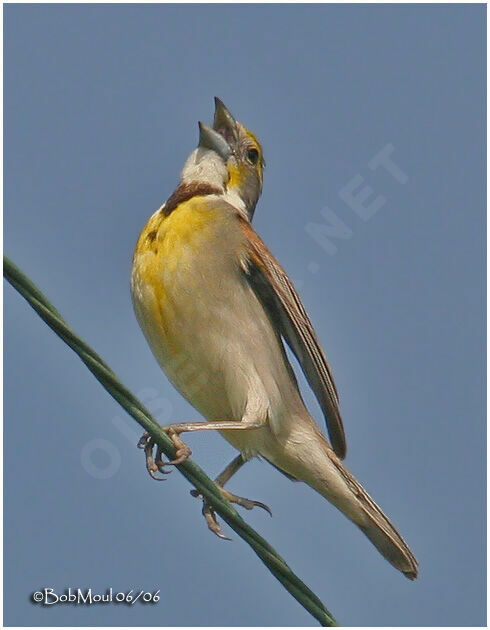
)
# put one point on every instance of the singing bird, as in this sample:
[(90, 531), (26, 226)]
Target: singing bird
[(216, 308)]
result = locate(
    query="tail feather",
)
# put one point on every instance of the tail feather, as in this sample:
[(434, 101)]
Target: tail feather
[(375, 524), (315, 463), (383, 534)]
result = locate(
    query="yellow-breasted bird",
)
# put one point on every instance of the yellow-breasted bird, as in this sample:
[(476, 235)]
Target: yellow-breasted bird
[(215, 307)]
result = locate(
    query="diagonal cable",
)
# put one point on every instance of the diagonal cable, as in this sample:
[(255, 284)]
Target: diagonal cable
[(198, 478)]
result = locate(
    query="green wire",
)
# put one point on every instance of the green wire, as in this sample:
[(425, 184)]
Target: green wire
[(198, 478)]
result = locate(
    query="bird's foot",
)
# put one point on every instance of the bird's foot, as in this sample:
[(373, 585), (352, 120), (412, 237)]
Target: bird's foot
[(210, 514), (211, 520), (155, 464), (248, 504)]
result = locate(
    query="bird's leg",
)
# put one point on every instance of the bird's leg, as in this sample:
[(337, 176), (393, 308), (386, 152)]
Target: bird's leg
[(182, 451), (207, 510)]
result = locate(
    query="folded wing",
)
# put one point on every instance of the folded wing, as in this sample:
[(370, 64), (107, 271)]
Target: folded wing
[(283, 305)]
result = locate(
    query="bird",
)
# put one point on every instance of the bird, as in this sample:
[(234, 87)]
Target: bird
[(217, 310)]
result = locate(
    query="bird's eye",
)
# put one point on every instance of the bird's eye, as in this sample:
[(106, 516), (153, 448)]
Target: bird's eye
[(252, 156)]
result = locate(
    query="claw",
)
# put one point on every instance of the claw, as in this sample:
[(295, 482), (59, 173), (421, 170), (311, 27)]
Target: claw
[(210, 516), (160, 463), (248, 504), (152, 466), (263, 506), (153, 475), (143, 440)]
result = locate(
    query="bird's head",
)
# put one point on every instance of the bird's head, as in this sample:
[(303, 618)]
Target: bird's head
[(246, 163), (230, 157)]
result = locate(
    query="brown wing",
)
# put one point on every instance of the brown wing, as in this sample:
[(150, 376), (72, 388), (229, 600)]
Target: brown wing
[(283, 305)]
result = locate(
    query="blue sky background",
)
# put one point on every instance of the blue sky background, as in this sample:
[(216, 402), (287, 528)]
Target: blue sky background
[(101, 110)]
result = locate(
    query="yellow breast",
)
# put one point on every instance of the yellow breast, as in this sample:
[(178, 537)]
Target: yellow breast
[(168, 266)]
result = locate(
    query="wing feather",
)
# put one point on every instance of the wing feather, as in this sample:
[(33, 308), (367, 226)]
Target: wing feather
[(281, 301)]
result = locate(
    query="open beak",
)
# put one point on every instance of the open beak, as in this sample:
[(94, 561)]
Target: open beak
[(224, 123), (211, 139)]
